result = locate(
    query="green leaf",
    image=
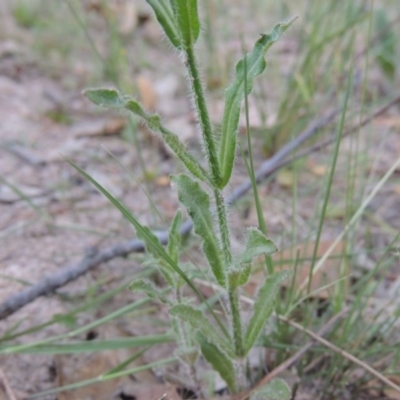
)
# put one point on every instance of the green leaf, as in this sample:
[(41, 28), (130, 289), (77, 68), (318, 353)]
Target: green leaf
[(104, 97), (174, 237), (143, 285), (219, 361), (263, 306), (238, 276), (257, 244), (188, 21), (277, 389), (112, 99), (234, 96), (199, 322), (197, 203), (166, 18)]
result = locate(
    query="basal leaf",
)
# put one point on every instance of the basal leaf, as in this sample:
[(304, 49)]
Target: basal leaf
[(256, 245), (277, 389), (166, 18), (174, 237), (219, 361), (234, 95), (199, 322), (112, 99), (188, 21), (263, 307), (197, 203)]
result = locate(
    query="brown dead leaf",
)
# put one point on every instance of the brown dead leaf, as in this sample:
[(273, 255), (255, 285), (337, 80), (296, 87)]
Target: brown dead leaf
[(286, 259), (147, 93)]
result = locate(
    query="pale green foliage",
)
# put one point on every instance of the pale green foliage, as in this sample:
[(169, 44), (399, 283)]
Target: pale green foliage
[(222, 349), (277, 389)]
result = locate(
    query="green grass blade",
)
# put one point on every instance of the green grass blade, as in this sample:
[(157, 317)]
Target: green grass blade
[(116, 314), (197, 203), (263, 306), (331, 175), (99, 345), (234, 95), (199, 322), (104, 377)]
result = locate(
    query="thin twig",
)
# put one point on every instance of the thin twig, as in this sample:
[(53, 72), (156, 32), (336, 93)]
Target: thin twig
[(295, 357), (7, 386)]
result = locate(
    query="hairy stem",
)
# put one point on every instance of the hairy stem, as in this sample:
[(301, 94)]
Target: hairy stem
[(204, 119), (227, 255)]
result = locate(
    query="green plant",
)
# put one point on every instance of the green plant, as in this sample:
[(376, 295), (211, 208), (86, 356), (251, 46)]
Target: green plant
[(225, 349)]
